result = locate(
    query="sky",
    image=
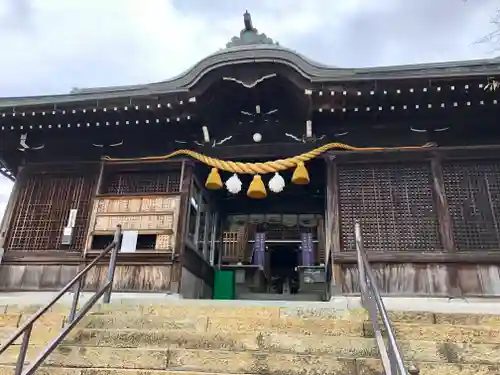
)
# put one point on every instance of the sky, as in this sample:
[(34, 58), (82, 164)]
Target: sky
[(52, 46)]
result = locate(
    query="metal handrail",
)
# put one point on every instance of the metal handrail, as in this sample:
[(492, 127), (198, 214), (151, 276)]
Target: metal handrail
[(391, 355), (74, 316)]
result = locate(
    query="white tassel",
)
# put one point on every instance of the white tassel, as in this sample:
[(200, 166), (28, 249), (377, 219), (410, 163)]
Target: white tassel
[(277, 183), (233, 184)]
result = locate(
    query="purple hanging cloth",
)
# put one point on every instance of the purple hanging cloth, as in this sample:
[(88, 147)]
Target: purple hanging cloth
[(307, 248), (259, 249)]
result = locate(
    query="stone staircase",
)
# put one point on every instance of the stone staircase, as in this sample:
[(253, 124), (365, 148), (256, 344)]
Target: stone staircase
[(202, 337)]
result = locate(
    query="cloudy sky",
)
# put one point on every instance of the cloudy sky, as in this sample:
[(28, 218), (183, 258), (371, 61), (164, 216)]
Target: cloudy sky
[(51, 46)]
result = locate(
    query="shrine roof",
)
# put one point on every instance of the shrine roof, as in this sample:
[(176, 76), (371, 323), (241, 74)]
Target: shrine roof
[(251, 48)]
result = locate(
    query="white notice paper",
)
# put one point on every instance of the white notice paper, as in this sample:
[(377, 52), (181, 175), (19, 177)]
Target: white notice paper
[(129, 241)]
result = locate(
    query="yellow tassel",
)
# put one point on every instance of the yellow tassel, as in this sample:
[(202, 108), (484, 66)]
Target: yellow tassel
[(300, 175), (257, 190), (214, 182)]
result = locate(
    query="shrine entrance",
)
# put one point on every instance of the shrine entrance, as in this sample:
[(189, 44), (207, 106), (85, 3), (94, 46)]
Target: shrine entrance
[(275, 246)]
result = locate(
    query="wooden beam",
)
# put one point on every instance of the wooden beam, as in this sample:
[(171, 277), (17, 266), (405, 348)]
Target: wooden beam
[(58, 257), (445, 153), (395, 257)]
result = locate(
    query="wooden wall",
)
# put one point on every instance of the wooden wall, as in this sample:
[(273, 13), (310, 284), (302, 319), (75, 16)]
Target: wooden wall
[(32, 277), (155, 215), (430, 221), (132, 278), (428, 279), (139, 197)]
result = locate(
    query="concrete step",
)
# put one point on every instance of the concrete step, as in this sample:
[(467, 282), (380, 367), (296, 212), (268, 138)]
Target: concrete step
[(344, 347)]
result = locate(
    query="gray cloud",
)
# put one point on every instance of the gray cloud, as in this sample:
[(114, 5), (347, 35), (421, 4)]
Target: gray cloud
[(386, 32)]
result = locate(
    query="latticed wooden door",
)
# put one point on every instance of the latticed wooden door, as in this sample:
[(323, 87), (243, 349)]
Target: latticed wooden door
[(394, 203), (42, 210), (473, 194)]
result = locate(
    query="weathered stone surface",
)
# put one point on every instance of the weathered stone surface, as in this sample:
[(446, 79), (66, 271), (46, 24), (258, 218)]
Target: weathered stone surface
[(374, 367), (9, 370), (38, 337), (9, 320), (135, 358), (9, 357), (222, 311), (189, 338), (49, 321), (444, 332), (332, 327), (165, 339), (123, 321), (257, 362), (60, 308), (467, 319)]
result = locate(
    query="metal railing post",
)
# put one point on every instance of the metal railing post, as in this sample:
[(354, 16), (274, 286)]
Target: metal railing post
[(361, 265), (390, 353), (112, 263), (21, 357), (76, 298)]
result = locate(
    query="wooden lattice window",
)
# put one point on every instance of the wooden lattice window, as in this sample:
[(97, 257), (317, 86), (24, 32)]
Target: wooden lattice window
[(394, 204), (123, 182), (42, 210), (473, 193)]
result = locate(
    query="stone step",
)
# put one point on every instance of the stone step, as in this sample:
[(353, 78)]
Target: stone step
[(89, 361), (442, 333), (344, 347), (48, 327), (290, 325), (15, 313), (334, 327), (47, 370)]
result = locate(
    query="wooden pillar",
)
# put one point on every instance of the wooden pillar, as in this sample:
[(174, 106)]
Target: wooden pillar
[(445, 222), (180, 240), (9, 211), (332, 224)]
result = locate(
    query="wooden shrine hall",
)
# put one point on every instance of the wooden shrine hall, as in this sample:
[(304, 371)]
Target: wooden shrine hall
[(243, 177)]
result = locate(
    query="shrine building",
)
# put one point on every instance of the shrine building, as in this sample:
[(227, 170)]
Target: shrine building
[(242, 178)]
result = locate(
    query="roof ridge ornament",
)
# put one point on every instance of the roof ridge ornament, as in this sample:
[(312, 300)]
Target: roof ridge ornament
[(249, 35)]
